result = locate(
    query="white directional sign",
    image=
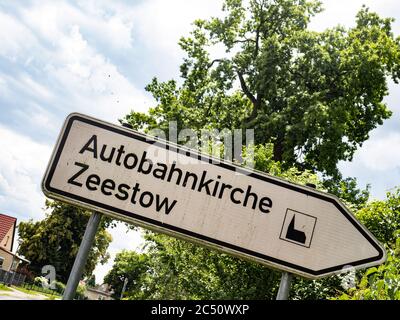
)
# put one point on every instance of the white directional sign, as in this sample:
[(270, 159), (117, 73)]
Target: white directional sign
[(167, 188)]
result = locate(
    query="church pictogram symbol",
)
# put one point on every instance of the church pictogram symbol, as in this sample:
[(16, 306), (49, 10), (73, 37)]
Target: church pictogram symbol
[(293, 234), (298, 228)]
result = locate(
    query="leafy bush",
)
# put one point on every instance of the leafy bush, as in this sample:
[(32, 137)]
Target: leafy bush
[(80, 293), (41, 282), (382, 218), (379, 283), (58, 286)]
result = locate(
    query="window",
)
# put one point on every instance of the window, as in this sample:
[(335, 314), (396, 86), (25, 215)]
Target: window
[(1, 262)]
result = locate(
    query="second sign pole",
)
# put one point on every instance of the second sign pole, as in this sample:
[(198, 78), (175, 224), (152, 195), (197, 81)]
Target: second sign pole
[(81, 257), (284, 287)]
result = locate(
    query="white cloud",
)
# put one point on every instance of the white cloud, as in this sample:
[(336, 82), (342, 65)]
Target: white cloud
[(109, 22), (22, 164), (160, 24), (26, 82), (377, 163), (93, 84), (381, 154), (23, 83), (56, 51), (12, 43), (38, 117), (57, 65), (344, 11)]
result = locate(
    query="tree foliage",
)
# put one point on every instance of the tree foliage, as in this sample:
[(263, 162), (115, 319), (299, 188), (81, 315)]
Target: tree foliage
[(315, 95), (175, 269), (55, 240), (379, 283), (312, 99), (182, 270), (91, 281), (127, 265), (382, 218)]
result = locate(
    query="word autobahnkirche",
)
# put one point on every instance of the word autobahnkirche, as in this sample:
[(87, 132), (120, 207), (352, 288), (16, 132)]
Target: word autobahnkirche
[(140, 164)]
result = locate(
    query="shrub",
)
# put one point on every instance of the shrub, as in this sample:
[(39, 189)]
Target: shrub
[(41, 282), (58, 286), (80, 293)]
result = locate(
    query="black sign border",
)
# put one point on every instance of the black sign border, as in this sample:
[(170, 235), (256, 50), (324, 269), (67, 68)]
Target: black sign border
[(48, 190)]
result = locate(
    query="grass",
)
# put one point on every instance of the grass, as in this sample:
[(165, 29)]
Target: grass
[(34, 292), (27, 291), (50, 296), (4, 288)]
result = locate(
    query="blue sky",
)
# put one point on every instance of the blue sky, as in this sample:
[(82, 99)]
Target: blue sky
[(96, 57)]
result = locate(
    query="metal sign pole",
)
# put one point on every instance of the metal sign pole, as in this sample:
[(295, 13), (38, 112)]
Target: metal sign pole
[(284, 287), (286, 279), (81, 257)]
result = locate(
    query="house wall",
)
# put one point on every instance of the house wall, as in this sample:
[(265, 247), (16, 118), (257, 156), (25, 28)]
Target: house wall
[(6, 243), (95, 295), (7, 260)]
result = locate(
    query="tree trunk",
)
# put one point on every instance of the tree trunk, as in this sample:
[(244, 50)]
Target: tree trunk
[(278, 150)]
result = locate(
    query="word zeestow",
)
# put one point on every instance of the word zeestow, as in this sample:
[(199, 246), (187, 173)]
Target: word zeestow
[(167, 188)]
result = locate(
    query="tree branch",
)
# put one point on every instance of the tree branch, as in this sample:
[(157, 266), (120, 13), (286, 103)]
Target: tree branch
[(257, 41), (254, 112), (255, 101), (246, 89), (214, 61)]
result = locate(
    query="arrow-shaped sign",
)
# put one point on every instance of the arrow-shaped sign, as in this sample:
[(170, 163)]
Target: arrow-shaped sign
[(171, 189)]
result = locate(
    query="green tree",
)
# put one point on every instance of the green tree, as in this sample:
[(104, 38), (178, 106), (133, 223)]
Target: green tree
[(55, 240), (312, 99), (177, 269), (315, 95), (91, 282), (379, 283), (130, 265), (348, 190), (382, 218)]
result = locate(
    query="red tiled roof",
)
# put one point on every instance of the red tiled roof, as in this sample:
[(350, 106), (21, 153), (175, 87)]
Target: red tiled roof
[(6, 223)]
